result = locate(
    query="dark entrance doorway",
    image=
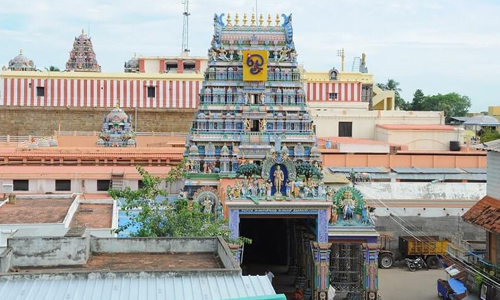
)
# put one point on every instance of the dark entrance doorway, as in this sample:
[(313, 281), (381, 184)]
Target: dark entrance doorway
[(274, 244)]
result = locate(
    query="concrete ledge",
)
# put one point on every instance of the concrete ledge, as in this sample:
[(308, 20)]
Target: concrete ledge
[(153, 245), (5, 260)]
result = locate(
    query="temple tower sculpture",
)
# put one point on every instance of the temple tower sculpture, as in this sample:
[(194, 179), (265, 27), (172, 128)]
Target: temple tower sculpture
[(21, 63), (252, 98), (82, 57), (117, 130)]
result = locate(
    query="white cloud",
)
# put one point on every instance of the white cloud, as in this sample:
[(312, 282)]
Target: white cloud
[(437, 45)]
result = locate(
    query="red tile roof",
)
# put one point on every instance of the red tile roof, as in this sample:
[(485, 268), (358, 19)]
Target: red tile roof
[(349, 140), (415, 127), (486, 214)]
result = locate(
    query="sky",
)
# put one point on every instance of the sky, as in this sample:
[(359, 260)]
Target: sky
[(439, 46)]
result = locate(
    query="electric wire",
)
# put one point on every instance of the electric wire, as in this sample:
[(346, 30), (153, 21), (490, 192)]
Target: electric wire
[(428, 239)]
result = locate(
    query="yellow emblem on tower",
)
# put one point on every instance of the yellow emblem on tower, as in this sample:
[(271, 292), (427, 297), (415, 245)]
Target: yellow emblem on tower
[(254, 65)]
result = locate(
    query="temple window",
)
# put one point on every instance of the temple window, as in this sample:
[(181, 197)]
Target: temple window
[(63, 185), (171, 66), (345, 129), (151, 92), (230, 74), (103, 185), (332, 96), (21, 185), (40, 91), (277, 74), (189, 67)]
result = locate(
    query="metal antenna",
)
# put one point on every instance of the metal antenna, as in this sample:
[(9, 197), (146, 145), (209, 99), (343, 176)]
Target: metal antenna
[(185, 27)]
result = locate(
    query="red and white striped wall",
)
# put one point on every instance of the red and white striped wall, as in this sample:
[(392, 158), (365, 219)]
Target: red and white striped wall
[(346, 91), (133, 93), (100, 93)]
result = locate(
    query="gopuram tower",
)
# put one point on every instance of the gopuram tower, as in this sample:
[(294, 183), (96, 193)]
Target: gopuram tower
[(252, 158), (252, 102), (82, 57)]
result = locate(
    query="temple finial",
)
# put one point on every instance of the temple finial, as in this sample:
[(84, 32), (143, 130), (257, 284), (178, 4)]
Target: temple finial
[(269, 20), (245, 20), (228, 20), (20, 51), (253, 19), (277, 20), (117, 105), (83, 32), (135, 54), (236, 19), (261, 20)]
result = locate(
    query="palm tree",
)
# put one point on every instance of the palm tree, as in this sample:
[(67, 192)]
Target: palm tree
[(393, 85), (52, 69)]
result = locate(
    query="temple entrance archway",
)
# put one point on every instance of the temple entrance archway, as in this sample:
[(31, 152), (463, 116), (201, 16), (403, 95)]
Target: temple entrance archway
[(275, 246)]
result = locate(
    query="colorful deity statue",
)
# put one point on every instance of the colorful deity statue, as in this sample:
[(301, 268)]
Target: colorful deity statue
[(348, 205), (279, 176), (207, 204)]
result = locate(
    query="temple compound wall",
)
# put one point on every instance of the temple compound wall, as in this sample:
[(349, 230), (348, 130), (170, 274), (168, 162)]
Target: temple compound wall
[(44, 120)]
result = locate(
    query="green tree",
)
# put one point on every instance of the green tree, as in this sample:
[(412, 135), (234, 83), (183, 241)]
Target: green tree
[(453, 104), (308, 171), (156, 218), (393, 85), (418, 100), (489, 135), (52, 69), (142, 208), (248, 170)]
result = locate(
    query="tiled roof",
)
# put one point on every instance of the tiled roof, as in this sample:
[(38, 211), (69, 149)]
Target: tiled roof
[(137, 153), (415, 127), (349, 140), (486, 214)]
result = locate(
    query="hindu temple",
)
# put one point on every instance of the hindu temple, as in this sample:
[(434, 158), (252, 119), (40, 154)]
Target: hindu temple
[(252, 156), (132, 65), (82, 57), (117, 130), (21, 63)]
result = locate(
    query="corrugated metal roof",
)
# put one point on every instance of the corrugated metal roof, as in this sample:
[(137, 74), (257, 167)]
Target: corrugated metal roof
[(475, 170), (415, 170), (186, 287), (358, 169)]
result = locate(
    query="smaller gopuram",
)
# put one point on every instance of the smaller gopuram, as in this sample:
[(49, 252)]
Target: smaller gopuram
[(82, 57), (21, 63), (117, 130), (132, 65)]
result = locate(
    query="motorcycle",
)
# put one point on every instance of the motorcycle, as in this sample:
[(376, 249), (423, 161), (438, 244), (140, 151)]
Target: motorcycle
[(415, 264)]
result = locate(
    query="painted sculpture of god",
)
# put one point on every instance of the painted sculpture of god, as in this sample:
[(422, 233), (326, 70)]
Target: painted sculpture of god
[(348, 205), (279, 176)]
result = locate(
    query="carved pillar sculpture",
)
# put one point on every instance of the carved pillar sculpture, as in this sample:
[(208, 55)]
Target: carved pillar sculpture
[(321, 276)]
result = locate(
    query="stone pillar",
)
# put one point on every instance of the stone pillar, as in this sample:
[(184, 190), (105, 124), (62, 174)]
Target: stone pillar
[(371, 270), (321, 276)]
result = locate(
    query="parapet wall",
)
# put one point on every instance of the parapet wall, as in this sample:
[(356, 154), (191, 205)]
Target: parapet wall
[(42, 121), (49, 251), (153, 245)]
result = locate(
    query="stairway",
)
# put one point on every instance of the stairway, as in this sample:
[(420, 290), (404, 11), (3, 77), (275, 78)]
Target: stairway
[(117, 180)]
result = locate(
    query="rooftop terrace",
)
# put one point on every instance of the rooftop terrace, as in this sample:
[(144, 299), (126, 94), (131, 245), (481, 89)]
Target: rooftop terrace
[(35, 211)]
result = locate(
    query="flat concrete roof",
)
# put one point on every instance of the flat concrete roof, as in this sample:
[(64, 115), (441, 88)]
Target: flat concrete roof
[(35, 211), (136, 262), (93, 216)]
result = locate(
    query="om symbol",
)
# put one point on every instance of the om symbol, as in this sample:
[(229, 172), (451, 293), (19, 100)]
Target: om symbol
[(255, 62)]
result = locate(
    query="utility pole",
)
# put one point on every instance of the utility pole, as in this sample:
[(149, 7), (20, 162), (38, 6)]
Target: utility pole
[(185, 28), (341, 54)]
